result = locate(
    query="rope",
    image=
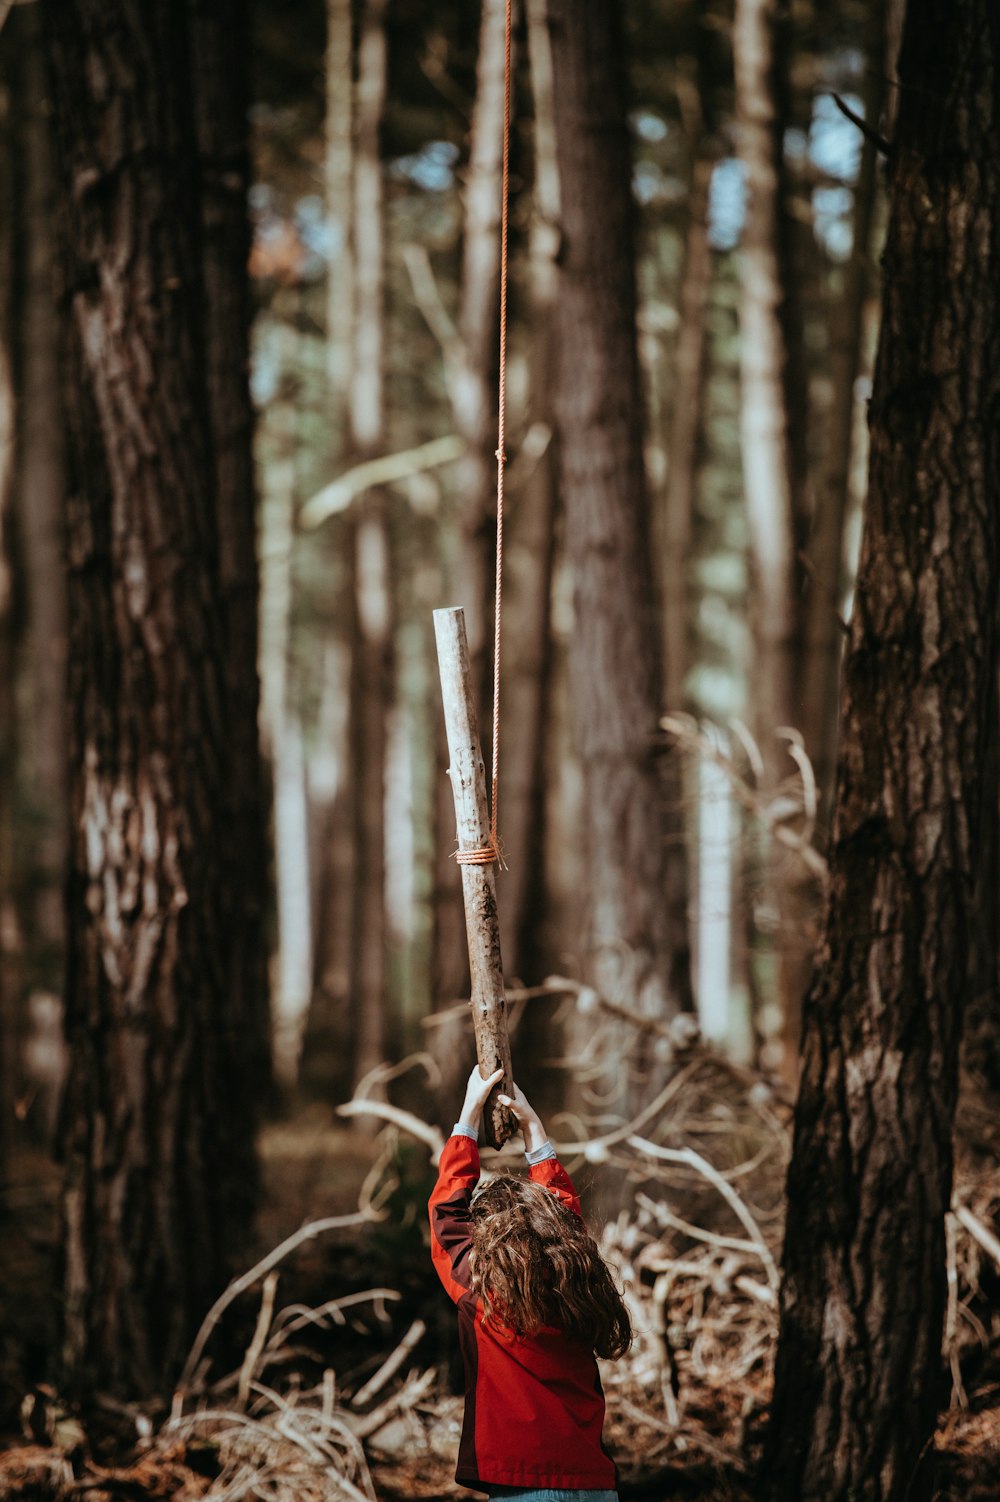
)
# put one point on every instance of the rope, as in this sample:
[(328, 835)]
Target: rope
[(486, 855)]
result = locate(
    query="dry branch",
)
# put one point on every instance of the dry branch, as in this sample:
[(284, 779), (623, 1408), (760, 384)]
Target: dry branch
[(247, 1280)]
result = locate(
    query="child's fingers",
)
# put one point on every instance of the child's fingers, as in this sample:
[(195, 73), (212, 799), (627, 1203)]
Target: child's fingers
[(478, 1086)]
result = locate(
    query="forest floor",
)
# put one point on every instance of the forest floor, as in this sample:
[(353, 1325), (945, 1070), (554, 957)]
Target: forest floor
[(338, 1376)]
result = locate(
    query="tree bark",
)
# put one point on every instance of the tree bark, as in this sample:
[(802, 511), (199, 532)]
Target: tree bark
[(823, 632), (159, 1117), (633, 913), (473, 367), (687, 417), (41, 507), (9, 998), (371, 674), (529, 554), (857, 1377), (772, 468), (339, 176), (221, 69)]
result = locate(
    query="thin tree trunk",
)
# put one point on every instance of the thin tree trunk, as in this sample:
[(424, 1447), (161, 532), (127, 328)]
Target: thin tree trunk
[(858, 1369), (157, 1127), (41, 515), (530, 556), (283, 738), (823, 633), (687, 417), (339, 187), (473, 388), (771, 467), (633, 910), (371, 685)]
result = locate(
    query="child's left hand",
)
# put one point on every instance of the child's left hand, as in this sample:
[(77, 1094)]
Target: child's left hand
[(476, 1094)]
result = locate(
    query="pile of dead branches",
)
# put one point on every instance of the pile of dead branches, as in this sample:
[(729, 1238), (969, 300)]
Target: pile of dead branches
[(694, 1240)]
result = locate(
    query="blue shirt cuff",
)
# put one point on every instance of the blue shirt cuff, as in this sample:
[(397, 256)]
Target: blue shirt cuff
[(541, 1154), (461, 1130)]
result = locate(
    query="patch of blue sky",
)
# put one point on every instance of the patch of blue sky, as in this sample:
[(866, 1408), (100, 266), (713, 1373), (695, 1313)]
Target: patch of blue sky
[(315, 229), (834, 142), (648, 126), (832, 220), (431, 168), (727, 202)]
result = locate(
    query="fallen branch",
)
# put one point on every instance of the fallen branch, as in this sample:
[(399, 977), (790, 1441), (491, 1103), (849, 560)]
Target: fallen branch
[(247, 1280), (367, 1424), (691, 1159), (391, 1365), (256, 1346), (978, 1232), (405, 1120)]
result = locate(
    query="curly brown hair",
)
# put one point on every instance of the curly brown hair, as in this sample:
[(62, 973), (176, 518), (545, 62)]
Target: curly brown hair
[(535, 1263)]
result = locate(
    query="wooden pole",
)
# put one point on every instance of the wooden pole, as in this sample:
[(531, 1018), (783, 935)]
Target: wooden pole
[(468, 784)]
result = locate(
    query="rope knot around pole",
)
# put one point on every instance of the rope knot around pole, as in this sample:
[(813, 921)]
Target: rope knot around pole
[(485, 855)]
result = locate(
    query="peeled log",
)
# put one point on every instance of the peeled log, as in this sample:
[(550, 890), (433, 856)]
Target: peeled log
[(468, 782)]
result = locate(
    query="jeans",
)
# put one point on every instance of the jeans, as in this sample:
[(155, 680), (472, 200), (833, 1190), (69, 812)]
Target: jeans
[(550, 1494)]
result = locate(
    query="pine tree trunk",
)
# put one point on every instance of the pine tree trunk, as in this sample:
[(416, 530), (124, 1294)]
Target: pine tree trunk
[(371, 673), (686, 420), (530, 559), (9, 998), (772, 469), (473, 386), (158, 1122), (221, 70), (823, 632), (339, 180), (857, 1380), (41, 491), (633, 909)]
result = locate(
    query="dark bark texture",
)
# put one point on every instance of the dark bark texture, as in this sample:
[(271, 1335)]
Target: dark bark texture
[(857, 1380), (635, 904), (221, 71), (158, 1120)]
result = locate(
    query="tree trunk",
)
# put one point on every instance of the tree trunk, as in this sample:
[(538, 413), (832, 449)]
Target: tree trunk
[(823, 633), (371, 678), (158, 1123), (339, 184), (41, 508), (529, 556), (772, 468), (687, 417), (633, 910), (473, 388), (221, 69), (9, 998), (858, 1364), (283, 738)]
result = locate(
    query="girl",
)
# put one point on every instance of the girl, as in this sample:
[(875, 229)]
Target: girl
[(535, 1302)]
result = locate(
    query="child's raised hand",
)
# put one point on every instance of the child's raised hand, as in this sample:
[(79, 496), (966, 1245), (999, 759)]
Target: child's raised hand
[(527, 1118), (476, 1092)]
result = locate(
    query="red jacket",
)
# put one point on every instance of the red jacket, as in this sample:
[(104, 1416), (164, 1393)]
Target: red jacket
[(534, 1406)]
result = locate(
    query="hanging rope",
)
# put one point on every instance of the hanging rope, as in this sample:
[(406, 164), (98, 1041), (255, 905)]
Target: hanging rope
[(486, 855)]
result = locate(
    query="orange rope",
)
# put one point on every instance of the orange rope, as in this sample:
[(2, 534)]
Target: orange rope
[(487, 854)]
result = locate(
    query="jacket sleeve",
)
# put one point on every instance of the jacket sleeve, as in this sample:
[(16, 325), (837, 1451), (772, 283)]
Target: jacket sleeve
[(551, 1174), (450, 1214)]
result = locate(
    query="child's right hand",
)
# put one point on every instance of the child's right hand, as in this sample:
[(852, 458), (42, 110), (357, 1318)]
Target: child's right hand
[(476, 1094), (526, 1117)]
